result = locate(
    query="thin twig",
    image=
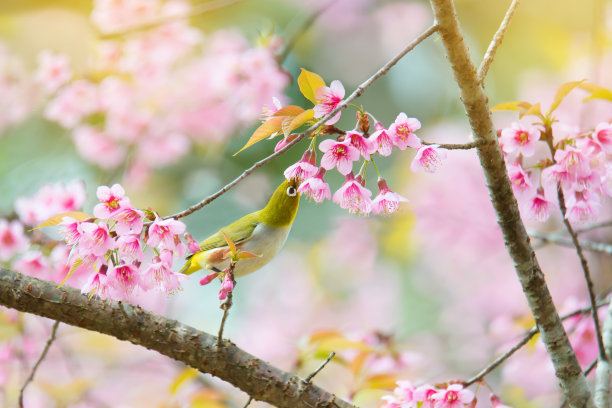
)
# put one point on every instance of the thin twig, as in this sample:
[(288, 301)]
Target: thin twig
[(282, 55), (356, 93), (248, 402), (592, 227), (496, 42), (315, 372), (524, 340), (194, 11), (40, 359), (226, 305), (567, 242), (458, 146)]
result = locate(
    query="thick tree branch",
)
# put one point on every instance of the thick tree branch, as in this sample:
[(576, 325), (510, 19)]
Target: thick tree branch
[(567, 369), (197, 349), (602, 375)]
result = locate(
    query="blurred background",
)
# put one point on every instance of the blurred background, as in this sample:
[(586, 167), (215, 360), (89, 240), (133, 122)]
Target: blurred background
[(128, 91)]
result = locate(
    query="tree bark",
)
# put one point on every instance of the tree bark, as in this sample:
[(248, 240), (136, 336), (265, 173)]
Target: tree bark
[(567, 368), (169, 337)]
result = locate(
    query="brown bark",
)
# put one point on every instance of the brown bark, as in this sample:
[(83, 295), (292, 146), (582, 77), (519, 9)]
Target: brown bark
[(169, 337)]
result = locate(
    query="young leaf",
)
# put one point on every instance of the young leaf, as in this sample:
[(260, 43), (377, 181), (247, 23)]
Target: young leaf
[(185, 375), (380, 382), (532, 110), (597, 92), (247, 255), (297, 121), (516, 106), (75, 264), (562, 92), (309, 82), (56, 219), (291, 110), (267, 128), (230, 243)]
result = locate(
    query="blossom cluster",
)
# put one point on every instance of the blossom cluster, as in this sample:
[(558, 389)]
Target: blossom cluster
[(406, 395), (110, 248), (349, 147), (147, 97), (580, 166)]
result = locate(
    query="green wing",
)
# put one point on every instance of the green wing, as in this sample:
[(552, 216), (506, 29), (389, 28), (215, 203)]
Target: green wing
[(239, 231)]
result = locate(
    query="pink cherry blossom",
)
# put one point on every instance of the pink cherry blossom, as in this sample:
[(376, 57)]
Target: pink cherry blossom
[(340, 154), (111, 201), (365, 146), (33, 263), (159, 273), (603, 136), (381, 140), (96, 285), (582, 206), (425, 394), (454, 396), (428, 158), (315, 187), (95, 239), (521, 180), (165, 233), (303, 169), (519, 138), (353, 196), (539, 206), (328, 99), (208, 278), (402, 132), (226, 287), (72, 103), (269, 110), (129, 247), (69, 228), (12, 239), (129, 219), (53, 71), (387, 201), (50, 200), (573, 161), (124, 278), (97, 147)]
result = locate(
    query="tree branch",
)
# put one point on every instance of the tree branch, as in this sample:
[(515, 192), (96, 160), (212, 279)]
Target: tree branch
[(496, 42), (567, 242), (567, 368), (356, 93), (40, 359), (169, 337), (602, 375)]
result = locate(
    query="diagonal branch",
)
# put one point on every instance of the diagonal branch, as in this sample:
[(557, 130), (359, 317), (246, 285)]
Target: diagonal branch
[(169, 337), (531, 277), (496, 42), (356, 93)]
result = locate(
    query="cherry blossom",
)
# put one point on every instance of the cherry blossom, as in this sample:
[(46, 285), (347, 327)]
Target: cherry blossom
[(53, 71), (12, 239), (340, 154), (402, 132), (165, 233), (364, 145), (315, 187), (428, 158), (454, 396), (111, 201), (381, 140), (303, 169), (353, 196), (328, 99), (519, 138), (387, 201)]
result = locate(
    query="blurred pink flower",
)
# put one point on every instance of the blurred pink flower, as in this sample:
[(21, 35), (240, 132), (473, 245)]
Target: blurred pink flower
[(12, 239), (328, 99), (402, 132), (353, 196), (50, 200), (340, 154), (72, 103), (33, 263), (603, 136), (53, 71), (496, 403), (97, 147), (315, 187)]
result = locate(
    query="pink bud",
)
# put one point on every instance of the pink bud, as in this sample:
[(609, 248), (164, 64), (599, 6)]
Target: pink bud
[(191, 243), (208, 278), (227, 285)]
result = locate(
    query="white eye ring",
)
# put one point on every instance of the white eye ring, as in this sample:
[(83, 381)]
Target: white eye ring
[(291, 191)]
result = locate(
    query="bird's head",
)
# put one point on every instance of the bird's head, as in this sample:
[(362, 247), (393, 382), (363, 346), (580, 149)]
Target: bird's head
[(283, 205)]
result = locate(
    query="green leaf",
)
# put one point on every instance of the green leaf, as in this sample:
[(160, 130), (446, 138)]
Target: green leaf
[(56, 219), (297, 121), (309, 82), (269, 127), (562, 92), (532, 110)]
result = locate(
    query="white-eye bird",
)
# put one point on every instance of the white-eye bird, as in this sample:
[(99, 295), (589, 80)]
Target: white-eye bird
[(262, 233)]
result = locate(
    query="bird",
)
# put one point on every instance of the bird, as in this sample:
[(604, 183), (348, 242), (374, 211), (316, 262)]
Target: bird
[(262, 233)]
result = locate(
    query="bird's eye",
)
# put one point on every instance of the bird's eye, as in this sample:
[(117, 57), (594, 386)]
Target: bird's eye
[(291, 191)]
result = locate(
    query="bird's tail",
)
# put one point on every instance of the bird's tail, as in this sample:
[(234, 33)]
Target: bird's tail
[(190, 266)]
